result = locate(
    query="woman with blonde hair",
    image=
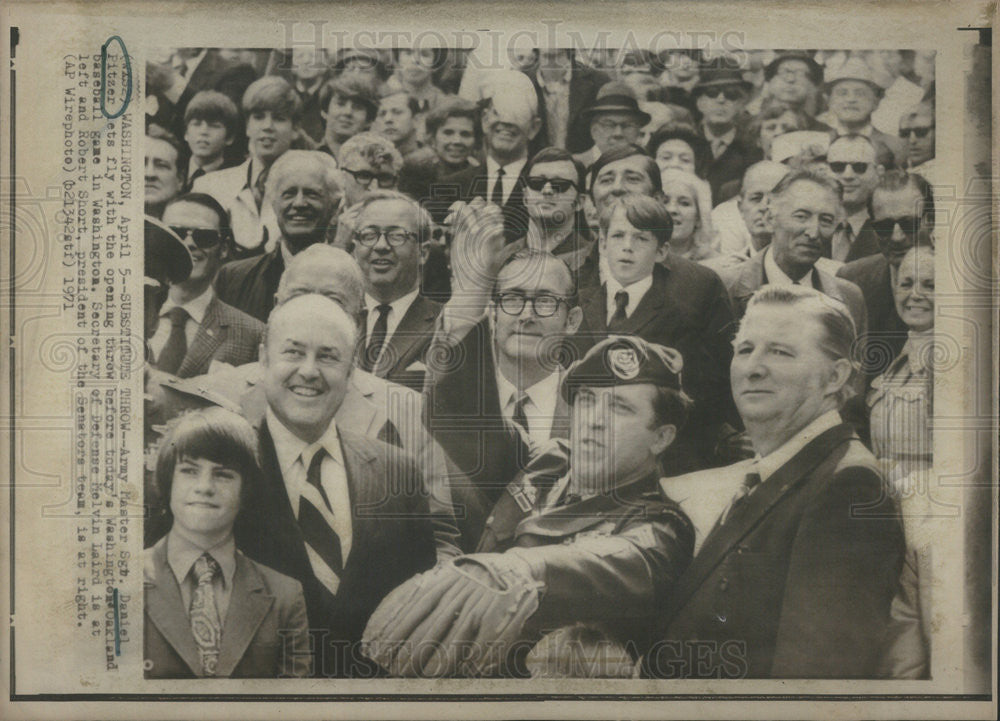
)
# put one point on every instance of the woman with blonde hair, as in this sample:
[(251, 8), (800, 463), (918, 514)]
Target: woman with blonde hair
[(689, 201)]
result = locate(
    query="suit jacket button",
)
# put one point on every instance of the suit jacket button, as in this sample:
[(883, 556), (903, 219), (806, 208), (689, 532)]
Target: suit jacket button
[(724, 584)]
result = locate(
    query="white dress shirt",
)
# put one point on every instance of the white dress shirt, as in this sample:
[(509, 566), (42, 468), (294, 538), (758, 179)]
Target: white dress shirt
[(181, 555), (511, 172), (540, 408), (776, 276), (399, 308), (635, 293), (767, 465), (195, 308), (294, 456), (719, 143)]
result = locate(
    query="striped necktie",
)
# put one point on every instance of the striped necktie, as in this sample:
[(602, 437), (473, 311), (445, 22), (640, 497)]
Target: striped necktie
[(315, 523)]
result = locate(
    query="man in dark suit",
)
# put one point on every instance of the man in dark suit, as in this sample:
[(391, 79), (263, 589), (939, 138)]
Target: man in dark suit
[(614, 121), (492, 399), (344, 515), (197, 331), (564, 89), (902, 214), (510, 122), (390, 245), (795, 576), (665, 299), (853, 161), (802, 214), (721, 95), (303, 190)]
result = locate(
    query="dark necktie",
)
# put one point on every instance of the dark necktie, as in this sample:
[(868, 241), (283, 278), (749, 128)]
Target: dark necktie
[(497, 196), (619, 316), (172, 354), (259, 187), (198, 172), (322, 542), (377, 338), (519, 416), (205, 623), (751, 481)]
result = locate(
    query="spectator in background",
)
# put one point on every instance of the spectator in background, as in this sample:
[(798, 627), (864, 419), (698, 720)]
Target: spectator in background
[(211, 122), (564, 88), (164, 173), (350, 106), (741, 224), (688, 200), (853, 162), (367, 63), (662, 115), (679, 76), (453, 133), (638, 69), (396, 119), (721, 95), (916, 128), (272, 110), (414, 71), (795, 79), (310, 69), (775, 118), (615, 120), (368, 161), (303, 192), (680, 148)]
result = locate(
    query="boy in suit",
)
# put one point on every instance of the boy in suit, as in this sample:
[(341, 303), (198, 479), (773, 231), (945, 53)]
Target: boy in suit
[(209, 610)]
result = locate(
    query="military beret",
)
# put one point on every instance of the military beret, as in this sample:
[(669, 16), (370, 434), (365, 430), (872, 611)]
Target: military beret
[(167, 260), (621, 360)]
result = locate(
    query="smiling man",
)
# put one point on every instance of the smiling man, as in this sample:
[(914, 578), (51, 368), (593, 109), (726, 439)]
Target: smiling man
[(794, 577), (196, 330), (390, 246), (853, 161), (343, 514), (304, 192)]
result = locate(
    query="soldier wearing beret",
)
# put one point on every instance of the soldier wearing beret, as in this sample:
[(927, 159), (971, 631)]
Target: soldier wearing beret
[(582, 536)]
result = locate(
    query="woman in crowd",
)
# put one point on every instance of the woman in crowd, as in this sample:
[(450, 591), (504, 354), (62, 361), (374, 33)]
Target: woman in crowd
[(775, 119), (680, 148), (901, 407), (689, 201)]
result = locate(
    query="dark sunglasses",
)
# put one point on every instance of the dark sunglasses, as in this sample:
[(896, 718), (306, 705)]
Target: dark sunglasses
[(559, 185), (839, 167), (385, 180), (909, 224), (904, 133), (202, 237), (730, 93)]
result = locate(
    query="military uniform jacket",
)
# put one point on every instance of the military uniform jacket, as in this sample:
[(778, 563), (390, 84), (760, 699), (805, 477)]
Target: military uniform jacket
[(611, 558)]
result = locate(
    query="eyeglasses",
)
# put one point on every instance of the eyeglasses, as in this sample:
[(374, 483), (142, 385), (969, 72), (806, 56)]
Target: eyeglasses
[(559, 185), (543, 306), (731, 94), (395, 237), (385, 180), (909, 224), (202, 237), (609, 125), (921, 132), (839, 167)]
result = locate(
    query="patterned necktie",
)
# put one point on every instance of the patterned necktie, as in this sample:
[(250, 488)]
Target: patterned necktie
[(377, 338), (259, 187), (173, 352), (750, 481), (719, 147), (205, 624), (322, 542), (519, 416), (619, 316), (497, 196)]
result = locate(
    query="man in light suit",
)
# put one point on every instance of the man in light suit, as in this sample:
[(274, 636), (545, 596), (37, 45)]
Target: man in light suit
[(272, 111), (803, 211), (390, 245), (197, 331), (303, 192), (794, 577), (344, 515)]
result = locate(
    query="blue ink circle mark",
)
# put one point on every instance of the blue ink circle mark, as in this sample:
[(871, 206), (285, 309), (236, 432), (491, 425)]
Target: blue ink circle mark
[(128, 75)]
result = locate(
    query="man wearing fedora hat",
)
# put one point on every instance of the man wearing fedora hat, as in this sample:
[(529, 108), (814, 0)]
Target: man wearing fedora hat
[(721, 96), (852, 96), (795, 79), (615, 121)]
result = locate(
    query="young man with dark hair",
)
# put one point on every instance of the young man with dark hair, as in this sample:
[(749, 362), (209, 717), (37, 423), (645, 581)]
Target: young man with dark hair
[(211, 124)]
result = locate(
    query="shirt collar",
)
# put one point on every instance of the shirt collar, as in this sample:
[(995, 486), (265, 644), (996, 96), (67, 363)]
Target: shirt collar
[(769, 464), (543, 393), (511, 170), (857, 221), (563, 82), (288, 447), (214, 165), (195, 307), (635, 291), (727, 137), (776, 276), (182, 553), (399, 306)]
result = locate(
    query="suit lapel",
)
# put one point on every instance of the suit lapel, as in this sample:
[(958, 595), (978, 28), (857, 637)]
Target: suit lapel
[(248, 605), (749, 280), (650, 306), (596, 312), (211, 333), (742, 520), (365, 488), (413, 330), (166, 609)]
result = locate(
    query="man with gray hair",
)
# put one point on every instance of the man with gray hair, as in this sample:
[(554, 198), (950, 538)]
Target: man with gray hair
[(304, 190), (390, 245), (793, 577)]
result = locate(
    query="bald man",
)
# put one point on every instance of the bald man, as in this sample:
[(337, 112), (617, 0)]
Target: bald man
[(741, 222)]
